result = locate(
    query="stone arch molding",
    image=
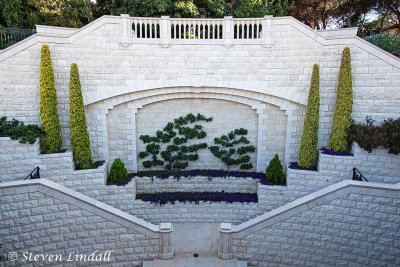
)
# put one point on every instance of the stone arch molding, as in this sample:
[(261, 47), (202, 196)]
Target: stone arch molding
[(139, 99)]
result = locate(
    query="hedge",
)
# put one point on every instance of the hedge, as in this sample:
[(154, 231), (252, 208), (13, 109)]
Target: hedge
[(48, 104), (80, 141), (339, 140), (308, 152)]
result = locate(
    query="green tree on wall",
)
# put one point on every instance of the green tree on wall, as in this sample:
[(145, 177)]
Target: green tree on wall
[(80, 141), (308, 152), (339, 140), (274, 172), (48, 104), (227, 150), (169, 145)]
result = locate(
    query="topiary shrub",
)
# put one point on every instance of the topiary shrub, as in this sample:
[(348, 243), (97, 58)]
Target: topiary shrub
[(171, 143), (17, 130), (118, 172), (226, 149), (308, 152), (50, 124), (339, 140), (274, 172), (80, 141)]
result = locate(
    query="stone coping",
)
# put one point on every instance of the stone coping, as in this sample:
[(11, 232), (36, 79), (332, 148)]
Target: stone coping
[(67, 153), (77, 199), (314, 199)]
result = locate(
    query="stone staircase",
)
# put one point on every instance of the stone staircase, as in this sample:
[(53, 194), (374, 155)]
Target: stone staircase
[(195, 262)]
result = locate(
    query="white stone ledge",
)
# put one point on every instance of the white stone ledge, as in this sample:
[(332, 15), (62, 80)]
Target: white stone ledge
[(77, 199), (66, 154), (317, 198)]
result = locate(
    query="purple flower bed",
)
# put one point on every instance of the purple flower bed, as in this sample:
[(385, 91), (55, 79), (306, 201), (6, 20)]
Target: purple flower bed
[(162, 174), (327, 151), (163, 198), (295, 166)]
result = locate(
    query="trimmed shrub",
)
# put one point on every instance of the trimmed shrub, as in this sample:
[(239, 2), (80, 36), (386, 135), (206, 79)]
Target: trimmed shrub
[(80, 141), (16, 130), (308, 152), (339, 140), (118, 172), (48, 104), (274, 172)]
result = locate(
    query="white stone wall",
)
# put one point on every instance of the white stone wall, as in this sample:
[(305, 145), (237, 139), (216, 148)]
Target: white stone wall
[(354, 230), (278, 73), (196, 184)]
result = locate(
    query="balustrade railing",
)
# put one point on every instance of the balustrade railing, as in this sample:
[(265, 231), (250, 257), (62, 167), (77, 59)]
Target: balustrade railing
[(226, 31)]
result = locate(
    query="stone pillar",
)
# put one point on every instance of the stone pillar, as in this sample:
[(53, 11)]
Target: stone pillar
[(166, 248), (225, 241), (289, 138), (165, 31), (134, 144), (227, 33), (266, 31), (260, 148), (126, 31)]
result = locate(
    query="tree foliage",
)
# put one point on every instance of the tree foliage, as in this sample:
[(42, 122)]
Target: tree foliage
[(274, 172), (118, 172), (227, 149), (344, 104), (80, 141), (17, 130), (308, 152), (169, 148), (48, 104)]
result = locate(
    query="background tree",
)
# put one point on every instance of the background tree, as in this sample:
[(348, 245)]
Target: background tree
[(339, 140), (170, 144), (80, 141), (49, 121), (227, 150), (308, 152)]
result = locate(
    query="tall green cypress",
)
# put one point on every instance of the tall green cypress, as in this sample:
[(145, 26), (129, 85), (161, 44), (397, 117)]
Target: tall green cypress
[(344, 105), (80, 141), (308, 153), (48, 104)]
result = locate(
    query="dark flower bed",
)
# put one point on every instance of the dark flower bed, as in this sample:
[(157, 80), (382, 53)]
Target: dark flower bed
[(162, 174), (163, 198), (327, 151), (295, 166), (96, 164)]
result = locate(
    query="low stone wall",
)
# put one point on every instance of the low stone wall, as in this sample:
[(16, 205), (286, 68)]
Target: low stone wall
[(347, 224), (378, 166), (196, 184), (42, 217)]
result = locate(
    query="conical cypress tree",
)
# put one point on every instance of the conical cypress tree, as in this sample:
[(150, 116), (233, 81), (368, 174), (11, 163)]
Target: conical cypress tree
[(274, 172), (80, 141), (344, 105), (308, 153), (48, 104)]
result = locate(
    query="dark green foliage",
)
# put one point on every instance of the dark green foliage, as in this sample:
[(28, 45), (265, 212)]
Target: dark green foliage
[(80, 141), (274, 173), (167, 148), (17, 130), (344, 106), (118, 172), (388, 42), (48, 104), (370, 136), (2, 257), (308, 152), (226, 149)]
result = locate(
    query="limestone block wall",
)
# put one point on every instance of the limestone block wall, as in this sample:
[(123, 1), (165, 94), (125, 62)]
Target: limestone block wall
[(277, 72), (350, 227), (196, 184), (43, 217)]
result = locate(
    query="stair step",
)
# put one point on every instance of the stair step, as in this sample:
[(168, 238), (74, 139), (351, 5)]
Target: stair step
[(195, 262)]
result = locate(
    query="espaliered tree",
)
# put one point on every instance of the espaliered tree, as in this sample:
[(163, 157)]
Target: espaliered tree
[(80, 141), (227, 150), (169, 148), (339, 140), (308, 152), (49, 121)]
